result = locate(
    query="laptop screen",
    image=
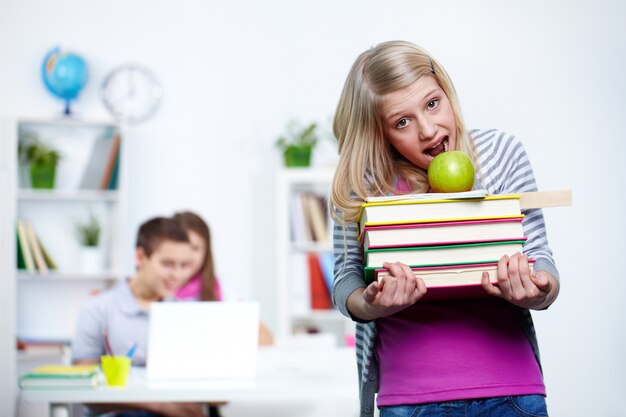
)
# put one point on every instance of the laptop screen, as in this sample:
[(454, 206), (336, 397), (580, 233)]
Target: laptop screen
[(203, 340)]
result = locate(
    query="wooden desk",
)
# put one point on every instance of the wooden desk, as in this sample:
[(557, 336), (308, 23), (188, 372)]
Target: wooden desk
[(293, 376)]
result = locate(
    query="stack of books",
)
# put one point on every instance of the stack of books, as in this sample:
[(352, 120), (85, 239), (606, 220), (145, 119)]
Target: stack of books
[(41, 349), (447, 240), (61, 376), (31, 253)]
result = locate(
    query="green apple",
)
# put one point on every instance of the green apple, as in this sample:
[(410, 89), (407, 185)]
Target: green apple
[(451, 172)]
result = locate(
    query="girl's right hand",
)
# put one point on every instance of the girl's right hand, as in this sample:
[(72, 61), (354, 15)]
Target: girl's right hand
[(395, 292)]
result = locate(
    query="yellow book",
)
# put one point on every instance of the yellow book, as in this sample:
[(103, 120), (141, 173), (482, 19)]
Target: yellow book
[(64, 370), (61, 376), (437, 209)]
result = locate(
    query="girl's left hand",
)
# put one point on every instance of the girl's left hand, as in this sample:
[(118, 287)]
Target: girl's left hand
[(519, 285)]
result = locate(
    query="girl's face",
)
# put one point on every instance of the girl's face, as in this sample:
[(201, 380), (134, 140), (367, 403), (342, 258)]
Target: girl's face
[(418, 121), (198, 249)]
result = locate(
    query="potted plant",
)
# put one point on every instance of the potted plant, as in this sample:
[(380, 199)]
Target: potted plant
[(89, 233), (297, 144), (42, 160)]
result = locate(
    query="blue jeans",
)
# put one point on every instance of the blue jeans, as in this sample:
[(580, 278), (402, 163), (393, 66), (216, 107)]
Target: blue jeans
[(512, 406)]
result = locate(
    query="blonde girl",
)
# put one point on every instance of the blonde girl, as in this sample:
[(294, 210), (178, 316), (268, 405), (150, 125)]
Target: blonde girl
[(475, 357)]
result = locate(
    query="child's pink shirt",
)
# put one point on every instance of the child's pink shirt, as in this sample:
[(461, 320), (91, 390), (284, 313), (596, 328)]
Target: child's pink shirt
[(192, 289)]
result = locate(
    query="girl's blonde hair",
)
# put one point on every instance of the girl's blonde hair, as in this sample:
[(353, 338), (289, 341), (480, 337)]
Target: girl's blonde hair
[(368, 164)]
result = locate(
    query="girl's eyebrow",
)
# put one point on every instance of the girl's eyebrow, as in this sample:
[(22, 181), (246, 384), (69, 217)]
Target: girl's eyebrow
[(397, 113)]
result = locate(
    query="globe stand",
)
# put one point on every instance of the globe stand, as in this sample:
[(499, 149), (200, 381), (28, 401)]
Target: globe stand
[(67, 111)]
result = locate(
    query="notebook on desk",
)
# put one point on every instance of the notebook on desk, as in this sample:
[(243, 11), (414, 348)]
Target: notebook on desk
[(202, 340)]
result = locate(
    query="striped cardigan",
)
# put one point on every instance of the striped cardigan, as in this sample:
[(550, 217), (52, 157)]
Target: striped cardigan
[(505, 169)]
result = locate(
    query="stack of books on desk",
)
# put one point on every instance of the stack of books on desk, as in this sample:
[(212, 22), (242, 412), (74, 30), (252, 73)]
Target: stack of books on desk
[(61, 376), (448, 241)]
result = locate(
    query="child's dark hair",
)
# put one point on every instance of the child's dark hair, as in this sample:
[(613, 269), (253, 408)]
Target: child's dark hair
[(156, 230)]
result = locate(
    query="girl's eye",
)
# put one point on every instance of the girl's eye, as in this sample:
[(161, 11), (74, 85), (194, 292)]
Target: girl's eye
[(432, 104), (402, 123)]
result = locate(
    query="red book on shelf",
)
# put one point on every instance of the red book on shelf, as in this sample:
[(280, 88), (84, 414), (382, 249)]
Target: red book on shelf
[(320, 298)]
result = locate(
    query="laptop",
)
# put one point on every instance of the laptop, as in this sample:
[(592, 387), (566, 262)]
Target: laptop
[(202, 341)]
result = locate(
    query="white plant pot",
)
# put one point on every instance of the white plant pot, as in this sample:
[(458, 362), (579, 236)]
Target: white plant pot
[(91, 259)]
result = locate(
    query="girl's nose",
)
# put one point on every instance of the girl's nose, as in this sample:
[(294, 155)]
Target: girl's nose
[(427, 128)]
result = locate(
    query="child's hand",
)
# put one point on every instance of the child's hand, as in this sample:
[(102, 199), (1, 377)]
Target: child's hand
[(519, 285), (396, 291)]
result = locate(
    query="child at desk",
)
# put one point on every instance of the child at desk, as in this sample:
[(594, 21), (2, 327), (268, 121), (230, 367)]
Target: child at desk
[(163, 259), (203, 284)]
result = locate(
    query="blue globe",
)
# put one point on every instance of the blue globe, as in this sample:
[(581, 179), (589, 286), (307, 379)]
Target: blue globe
[(64, 74)]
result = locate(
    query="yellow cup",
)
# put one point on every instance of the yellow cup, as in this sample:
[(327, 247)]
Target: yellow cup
[(115, 369)]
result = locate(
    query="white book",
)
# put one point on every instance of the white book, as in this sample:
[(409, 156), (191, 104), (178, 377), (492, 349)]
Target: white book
[(429, 196), (299, 288)]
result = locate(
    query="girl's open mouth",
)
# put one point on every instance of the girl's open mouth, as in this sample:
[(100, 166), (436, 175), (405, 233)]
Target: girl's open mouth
[(441, 146)]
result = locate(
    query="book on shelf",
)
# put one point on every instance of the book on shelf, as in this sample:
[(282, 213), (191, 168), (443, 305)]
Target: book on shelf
[(316, 216), (327, 263), (40, 262), (113, 183), (97, 164), (301, 232), (32, 255), (439, 255), (46, 255), (409, 211), (308, 217), (29, 260), (442, 233), (38, 349), (320, 296), (111, 162), (61, 376), (21, 264), (299, 286)]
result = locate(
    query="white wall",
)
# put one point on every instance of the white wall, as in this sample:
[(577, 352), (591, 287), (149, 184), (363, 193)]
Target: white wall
[(235, 71)]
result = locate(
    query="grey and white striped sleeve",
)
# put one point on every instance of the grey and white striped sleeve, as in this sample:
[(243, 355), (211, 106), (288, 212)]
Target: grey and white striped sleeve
[(506, 169), (348, 271)]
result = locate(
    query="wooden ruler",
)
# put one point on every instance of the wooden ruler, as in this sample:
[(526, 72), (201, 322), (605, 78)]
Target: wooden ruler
[(544, 199)]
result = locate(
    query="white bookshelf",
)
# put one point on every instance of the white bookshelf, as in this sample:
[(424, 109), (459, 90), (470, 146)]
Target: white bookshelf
[(54, 214), (43, 307), (289, 318)]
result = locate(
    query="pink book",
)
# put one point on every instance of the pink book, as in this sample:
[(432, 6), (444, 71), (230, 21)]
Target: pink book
[(442, 233)]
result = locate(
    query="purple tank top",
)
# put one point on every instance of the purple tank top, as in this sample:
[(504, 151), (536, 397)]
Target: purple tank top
[(453, 350)]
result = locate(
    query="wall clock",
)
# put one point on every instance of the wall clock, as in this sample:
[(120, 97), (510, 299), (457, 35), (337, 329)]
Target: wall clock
[(131, 93)]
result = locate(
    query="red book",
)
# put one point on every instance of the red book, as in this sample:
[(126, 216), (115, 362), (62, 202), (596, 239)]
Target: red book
[(320, 298)]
